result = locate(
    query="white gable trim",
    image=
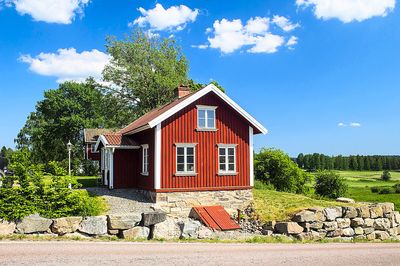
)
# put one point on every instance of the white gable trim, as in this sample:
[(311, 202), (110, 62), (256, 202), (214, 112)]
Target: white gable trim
[(101, 139), (198, 95)]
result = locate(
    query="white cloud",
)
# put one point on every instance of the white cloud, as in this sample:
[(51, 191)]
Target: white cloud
[(231, 35), (67, 64), (50, 11), (284, 23), (355, 124), (200, 46), (159, 18), (348, 10), (341, 124), (292, 42)]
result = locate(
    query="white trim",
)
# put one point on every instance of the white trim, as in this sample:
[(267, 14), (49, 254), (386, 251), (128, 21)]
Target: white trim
[(185, 171), (251, 156), (200, 94), (93, 146), (157, 157), (206, 108), (145, 159), (111, 185), (101, 139), (227, 171)]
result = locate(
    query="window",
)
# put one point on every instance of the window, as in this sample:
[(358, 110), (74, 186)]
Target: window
[(145, 159), (226, 159), (205, 117), (93, 148), (185, 159)]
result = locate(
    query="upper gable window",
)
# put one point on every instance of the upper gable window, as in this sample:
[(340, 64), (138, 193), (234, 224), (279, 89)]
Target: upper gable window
[(206, 117)]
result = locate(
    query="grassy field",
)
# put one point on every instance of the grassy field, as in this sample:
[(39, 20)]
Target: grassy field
[(87, 181)]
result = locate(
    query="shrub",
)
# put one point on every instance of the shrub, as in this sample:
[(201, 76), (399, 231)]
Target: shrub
[(397, 189), (385, 191), (90, 168), (386, 176), (329, 184), (374, 189), (274, 167)]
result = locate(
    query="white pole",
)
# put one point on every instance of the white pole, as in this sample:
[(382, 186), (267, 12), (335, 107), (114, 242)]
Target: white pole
[(69, 162)]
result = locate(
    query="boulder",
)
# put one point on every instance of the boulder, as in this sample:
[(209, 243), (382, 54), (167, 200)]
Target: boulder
[(330, 226), (349, 212), (382, 235), (207, 233), (124, 221), (189, 228), (316, 225), (363, 212), (312, 235), (348, 232), (358, 231), (387, 207), (368, 222), (376, 211), (264, 233), (152, 218), (306, 226), (381, 224), (94, 225), (343, 222), (392, 231), (169, 229), (334, 233), (33, 224), (270, 225), (138, 232), (345, 200), (76, 235), (371, 236), (360, 237), (113, 232), (319, 214), (396, 215), (7, 228), (332, 213), (368, 230), (356, 222), (304, 216), (288, 228), (62, 226)]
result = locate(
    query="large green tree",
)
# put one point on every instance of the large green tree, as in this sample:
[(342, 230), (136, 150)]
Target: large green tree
[(63, 114)]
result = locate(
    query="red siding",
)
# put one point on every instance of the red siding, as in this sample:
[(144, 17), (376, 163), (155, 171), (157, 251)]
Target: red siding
[(181, 128), (92, 156)]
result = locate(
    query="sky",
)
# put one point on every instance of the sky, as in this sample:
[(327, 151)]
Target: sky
[(320, 75)]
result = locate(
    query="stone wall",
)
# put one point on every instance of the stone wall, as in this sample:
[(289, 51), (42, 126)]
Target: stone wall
[(372, 222), (179, 204)]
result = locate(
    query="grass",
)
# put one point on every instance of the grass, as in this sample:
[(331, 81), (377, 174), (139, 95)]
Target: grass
[(87, 181)]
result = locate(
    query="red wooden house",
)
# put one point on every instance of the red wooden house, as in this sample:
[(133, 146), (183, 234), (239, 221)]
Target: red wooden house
[(202, 141), (90, 137)]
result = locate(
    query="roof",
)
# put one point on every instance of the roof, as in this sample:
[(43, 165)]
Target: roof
[(216, 217), (116, 140), (92, 134), (158, 115)]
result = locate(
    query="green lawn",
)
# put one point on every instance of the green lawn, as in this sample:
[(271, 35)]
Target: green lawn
[(87, 181)]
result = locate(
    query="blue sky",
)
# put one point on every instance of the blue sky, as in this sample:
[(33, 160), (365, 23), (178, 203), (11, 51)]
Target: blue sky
[(321, 79)]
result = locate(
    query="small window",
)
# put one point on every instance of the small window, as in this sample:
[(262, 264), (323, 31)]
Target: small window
[(185, 159), (93, 148), (226, 159), (206, 117), (145, 159)]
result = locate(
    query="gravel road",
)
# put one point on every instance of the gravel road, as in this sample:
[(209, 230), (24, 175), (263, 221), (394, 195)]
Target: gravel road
[(123, 253)]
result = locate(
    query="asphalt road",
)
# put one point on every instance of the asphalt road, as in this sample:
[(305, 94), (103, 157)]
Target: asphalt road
[(123, 253)]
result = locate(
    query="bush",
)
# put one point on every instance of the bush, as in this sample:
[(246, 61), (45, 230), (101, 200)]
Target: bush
[(274, 167), (397, 188), (90, 168), (386, 176), (374, 189), (385, 191), (329, 184)]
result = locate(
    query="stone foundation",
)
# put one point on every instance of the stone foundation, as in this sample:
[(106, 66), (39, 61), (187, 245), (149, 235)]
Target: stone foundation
[(179, 204)]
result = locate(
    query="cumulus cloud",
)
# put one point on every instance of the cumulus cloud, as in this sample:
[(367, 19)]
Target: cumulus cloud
[(50, 11), (172, 18), (348, 10), (67, 64), (256, 34), (292, 42)]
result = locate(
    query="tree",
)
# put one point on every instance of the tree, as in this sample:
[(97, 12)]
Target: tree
[(5, 155), (300, 160), (386, 176), (63, 114), (276, 168), (329, 184)]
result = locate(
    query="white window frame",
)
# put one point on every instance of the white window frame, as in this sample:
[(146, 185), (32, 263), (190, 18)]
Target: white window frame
[(185, 171), (206, 108), (93, 147), (145, 160), (227, 171)]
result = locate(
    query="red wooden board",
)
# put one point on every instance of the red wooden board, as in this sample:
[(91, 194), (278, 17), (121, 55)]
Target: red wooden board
[(216, 217)]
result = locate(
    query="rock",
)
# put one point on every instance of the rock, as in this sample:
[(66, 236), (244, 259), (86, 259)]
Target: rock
[(387, 207), (113, 232), (319, 214), (363, 212), (76, 235), (381, 224), (312, 235), (316, 225), (168, 229), (94, 225), (306, 226), (392, 231), (382, 235), (152, 218), (348, 232), (356, 222), (206, 233), (360, 237), (124, 222), (396, 215), (33, 224), (358, 231), (7, 228), (343, 222), (270, 225), (62, 226), (371, 236), (335, 233), (376, 211), (349, 212), (345, 200), (330, 226), (368, 230), (138, 232), (288, 228), (368, 222), (267, 232), (304, 216), (332, 213), (189, 229)]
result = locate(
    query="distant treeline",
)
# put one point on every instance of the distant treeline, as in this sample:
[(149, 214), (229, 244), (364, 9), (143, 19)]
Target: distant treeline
[(318, 161)]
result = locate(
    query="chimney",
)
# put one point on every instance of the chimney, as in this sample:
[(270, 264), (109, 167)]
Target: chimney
[(182, 91)]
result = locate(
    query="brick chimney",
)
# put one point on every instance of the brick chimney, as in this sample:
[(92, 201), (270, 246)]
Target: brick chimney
[(182, 91)]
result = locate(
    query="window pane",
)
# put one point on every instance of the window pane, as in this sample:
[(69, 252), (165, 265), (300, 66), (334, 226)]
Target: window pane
[(189, 151), (231, 167), (222, 167), (221, 151), (190, 167), (202, 114), (180, 150), (222, 159), (231, 151), (190, 159), (180, 159), (231, 159), (202, 123), (180, 168), (210, 123)]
